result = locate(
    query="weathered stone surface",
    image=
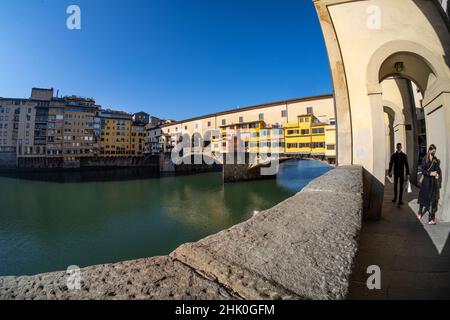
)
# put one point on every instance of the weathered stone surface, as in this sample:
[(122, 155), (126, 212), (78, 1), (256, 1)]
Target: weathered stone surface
[(345, 179), (303, 248), (241, 280), (152, 278)]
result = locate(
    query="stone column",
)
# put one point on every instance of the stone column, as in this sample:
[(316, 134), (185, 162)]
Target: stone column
[(374, 180)]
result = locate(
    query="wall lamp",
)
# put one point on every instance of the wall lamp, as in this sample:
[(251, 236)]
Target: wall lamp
[(399, 66)]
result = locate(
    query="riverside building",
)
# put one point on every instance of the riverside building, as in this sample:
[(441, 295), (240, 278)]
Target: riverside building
[(156, 141), (23, 126), (70, 128), (137, 140), (121, 136), (17, 126), (261, 128), (307, 137), (115, 133), (48, 131)]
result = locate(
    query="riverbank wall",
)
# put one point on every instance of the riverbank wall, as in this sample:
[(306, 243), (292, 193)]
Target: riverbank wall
[(43, 163), (303, 248), (8, 160), (91, 167)]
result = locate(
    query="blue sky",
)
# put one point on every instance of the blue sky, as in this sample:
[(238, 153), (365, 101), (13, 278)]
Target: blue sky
[(171, 58)]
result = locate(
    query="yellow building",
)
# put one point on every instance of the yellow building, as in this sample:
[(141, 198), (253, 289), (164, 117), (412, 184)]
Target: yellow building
[(70, 128), (330, 142), (115, 134), (240, 137), (305, 137), (255, 137), (267, 140), (137, 140)]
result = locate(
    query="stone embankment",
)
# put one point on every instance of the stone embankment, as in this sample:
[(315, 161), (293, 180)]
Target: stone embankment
[(303, 248)]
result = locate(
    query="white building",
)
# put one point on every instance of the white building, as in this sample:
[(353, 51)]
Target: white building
[(156, 141)]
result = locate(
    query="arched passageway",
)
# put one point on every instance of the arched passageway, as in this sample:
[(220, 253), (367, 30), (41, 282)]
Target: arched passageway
[(402, 101), (371, 43)]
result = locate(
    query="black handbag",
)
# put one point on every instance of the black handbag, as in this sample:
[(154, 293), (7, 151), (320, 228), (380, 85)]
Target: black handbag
[(421, 176)]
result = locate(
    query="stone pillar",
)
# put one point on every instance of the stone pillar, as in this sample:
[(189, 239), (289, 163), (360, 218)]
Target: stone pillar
[(389, 138), (239, 167), (444, 214), (411, 128), (344, 139), (437, 117), (375, 173)]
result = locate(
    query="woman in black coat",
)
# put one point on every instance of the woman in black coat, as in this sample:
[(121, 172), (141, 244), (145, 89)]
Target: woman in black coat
[(430, 185)]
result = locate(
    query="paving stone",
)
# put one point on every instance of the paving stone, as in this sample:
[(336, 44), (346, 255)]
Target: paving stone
[(411, 263)]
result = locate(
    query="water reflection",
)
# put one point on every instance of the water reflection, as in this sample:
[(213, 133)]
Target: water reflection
[(46, 226)]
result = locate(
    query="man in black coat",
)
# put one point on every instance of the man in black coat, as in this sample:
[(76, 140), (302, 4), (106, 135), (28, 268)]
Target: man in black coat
[(399, 162)]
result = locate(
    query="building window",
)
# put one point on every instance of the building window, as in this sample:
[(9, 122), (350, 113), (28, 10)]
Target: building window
[(318, 145), (318, 130), (261, 116), (309, 110), (241, 119), (209, 123), (305, 131), (283, 113), (277, 131), (224, 122), (331, 146)]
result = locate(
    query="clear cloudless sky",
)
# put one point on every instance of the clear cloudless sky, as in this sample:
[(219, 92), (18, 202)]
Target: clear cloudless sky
[(172, 58)]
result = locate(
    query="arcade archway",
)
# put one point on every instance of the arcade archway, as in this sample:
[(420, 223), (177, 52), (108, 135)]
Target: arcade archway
[(410, 43)]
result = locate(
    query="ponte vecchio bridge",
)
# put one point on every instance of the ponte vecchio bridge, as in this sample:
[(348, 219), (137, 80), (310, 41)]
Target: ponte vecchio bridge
[(389, 63)]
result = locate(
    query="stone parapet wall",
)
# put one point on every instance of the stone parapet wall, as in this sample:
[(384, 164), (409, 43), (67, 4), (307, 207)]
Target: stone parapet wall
[(303, 248)]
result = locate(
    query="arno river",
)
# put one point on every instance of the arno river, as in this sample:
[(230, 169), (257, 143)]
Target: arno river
[(48, 226)]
